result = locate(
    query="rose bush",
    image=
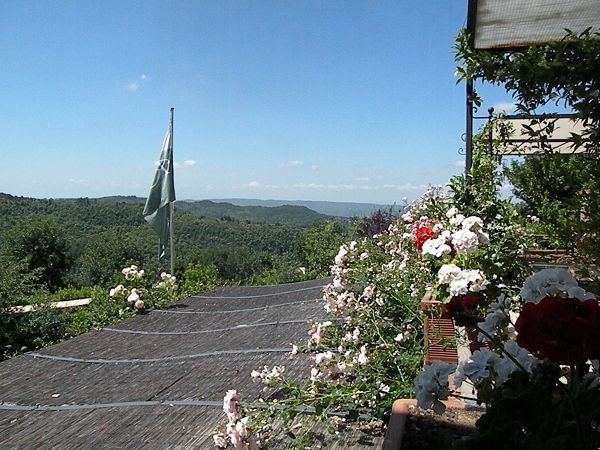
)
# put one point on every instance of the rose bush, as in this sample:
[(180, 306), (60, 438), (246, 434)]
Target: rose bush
[(366, 354), (134, 295), (459, 242)]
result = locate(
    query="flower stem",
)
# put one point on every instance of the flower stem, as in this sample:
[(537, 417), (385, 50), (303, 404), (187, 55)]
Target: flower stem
[(500, 346)]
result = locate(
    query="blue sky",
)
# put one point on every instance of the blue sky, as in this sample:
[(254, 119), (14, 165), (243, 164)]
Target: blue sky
[(299, 100)]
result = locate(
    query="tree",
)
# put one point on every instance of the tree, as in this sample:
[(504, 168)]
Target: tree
[(562, 191), (42, 245), (319, 246), (15, 279)]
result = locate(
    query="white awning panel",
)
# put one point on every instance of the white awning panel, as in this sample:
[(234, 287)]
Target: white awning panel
[(520, 23), (520, 141)]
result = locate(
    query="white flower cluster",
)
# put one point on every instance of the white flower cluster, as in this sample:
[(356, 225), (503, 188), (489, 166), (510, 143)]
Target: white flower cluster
[(558, 282), (431, 385), (268, 376), (337, 301), (118, 291), (438, 246), (238, 430), (133, 273), (329, 366), (434, 194), (465, 240), (461, 281), (167, 282), (316, 332), (497, 319), (344, 249), (135, 300), (132, 297), (336, 294), (485, 364)]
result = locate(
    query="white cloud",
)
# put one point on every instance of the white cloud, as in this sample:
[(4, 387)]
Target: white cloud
[(135, 84), (405, 187), (315, 167), (345, 187), (411, 187), (183, 165), (292, 163), (506, 107), (362, 179), (459, 163), (75, 181), (252, 184)]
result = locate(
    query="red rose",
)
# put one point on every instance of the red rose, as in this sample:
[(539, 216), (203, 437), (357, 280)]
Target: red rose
[(565, 330), (421, 232)]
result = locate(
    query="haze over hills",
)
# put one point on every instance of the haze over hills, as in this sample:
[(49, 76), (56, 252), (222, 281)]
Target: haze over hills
[(338, 209)]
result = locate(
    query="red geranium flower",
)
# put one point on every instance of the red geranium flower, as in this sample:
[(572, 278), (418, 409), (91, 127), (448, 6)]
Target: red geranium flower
[(421, 232), (565, 330)]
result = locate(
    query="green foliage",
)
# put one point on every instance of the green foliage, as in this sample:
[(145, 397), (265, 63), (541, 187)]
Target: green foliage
[(105, 253), (104, 235), (15, 279), (43, 246), (286, 214), (43, 297), (198, 278), (282, 269), (319, 246), (560, 71), (45, 326), (478, 194), (562, 192)]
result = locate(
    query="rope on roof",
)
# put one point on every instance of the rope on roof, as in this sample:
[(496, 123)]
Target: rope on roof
[(153, 360), (272, 294), (259, 308)]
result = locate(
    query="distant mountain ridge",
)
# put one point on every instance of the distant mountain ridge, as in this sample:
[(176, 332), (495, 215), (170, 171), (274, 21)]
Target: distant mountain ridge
[(338, 209), (283, 214), (331, 209), (301, 213)]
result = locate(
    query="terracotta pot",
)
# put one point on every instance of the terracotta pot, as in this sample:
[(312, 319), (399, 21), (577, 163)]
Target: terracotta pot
[(397, 423), (438, 327)]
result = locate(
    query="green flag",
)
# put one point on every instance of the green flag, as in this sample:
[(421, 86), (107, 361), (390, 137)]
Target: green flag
[(162, 193)]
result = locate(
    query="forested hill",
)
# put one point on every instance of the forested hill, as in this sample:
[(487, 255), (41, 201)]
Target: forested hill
[(96, 237), (284, 214), (337, 209)]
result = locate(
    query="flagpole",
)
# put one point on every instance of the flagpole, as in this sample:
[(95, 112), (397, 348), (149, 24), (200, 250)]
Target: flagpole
[(172, 208)]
